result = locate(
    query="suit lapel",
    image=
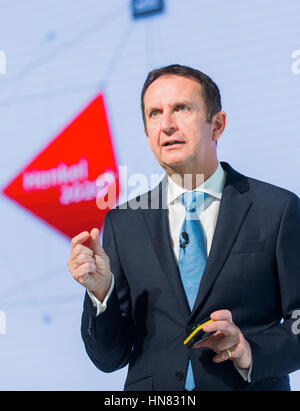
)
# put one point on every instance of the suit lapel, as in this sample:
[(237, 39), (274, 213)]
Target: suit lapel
[(233, 210), (156, 217)]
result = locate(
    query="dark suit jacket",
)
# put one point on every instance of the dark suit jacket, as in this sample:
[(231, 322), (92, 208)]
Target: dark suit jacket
[(253, 270)]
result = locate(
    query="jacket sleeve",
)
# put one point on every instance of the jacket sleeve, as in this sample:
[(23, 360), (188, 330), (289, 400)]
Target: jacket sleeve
[(276, 351), (108, 337)]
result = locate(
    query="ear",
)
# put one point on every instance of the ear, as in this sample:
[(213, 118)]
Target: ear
[(218, 124)]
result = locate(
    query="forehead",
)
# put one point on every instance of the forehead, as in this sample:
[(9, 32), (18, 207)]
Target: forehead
[(171, 87)]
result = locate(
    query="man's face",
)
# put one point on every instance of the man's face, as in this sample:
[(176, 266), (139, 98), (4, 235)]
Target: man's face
[(176, 126)]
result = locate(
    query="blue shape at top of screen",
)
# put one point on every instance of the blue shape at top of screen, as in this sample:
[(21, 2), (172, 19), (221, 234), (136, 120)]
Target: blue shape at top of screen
[(142, 8)]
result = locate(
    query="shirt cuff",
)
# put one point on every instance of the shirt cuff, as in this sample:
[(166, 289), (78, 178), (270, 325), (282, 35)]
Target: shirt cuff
[(246, 374), (101, 307)]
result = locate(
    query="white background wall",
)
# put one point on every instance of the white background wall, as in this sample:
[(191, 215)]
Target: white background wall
[(59, 55)]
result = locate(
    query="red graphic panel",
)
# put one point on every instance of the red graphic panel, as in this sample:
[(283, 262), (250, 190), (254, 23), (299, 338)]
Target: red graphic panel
[(63, 184)]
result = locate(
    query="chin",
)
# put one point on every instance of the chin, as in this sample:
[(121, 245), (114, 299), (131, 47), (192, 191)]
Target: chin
[(176, 160), (173, 164)]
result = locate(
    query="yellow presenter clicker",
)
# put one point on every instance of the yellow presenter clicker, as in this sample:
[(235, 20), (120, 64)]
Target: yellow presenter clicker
[(195, 333)]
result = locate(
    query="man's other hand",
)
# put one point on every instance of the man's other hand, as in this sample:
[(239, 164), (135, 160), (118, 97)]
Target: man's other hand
[(228, 341), (90, 266)]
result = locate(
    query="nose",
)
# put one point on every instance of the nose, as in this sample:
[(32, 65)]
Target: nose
[(168, 123)]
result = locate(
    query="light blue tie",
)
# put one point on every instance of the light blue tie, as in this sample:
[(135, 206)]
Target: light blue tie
[(192, 256)]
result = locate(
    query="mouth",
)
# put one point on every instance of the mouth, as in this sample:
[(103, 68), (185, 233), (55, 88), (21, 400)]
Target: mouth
[(173, 143)]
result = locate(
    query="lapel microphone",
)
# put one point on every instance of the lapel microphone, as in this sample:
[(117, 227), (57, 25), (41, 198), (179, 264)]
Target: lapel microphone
[(185, 241)]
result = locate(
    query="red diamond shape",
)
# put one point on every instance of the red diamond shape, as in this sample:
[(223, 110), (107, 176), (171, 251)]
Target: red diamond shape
[(60, 184)]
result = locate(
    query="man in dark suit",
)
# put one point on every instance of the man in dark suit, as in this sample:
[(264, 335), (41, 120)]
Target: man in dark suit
[(239, 263)]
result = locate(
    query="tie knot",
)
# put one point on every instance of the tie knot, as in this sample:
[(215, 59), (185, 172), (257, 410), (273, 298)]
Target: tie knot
[(192, 200)]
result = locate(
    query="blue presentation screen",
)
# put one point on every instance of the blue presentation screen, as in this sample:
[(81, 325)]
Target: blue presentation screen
[(71, 74)]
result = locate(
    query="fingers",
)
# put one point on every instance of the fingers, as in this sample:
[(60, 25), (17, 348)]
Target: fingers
[(228, 341), (224, 315), (95, 242), (222, 322), (227, 354), (90, 266), (226, 334), (228, 329), (79, 253), (80, 238), (77, 247), (82, 273), (230, 353), (80, 249), (80, 259), (84, 258)]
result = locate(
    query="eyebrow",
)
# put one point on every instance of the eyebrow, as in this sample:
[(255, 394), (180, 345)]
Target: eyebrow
[(179, 103)]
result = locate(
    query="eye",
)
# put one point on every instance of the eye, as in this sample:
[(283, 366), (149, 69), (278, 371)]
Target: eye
[(181, 107), (154, 114)]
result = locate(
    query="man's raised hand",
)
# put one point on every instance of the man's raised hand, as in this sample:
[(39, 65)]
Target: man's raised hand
[(90, 266)]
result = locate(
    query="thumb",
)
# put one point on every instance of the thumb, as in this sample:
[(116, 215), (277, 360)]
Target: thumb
[(95, 242)]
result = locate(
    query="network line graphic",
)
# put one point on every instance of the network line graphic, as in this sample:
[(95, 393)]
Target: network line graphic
[(54, 51), (52, 48)]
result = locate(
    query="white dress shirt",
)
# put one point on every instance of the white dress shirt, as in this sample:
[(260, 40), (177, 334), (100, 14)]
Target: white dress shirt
[(207, 214)]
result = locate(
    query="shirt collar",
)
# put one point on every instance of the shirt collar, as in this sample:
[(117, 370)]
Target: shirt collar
[(213, 185)]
